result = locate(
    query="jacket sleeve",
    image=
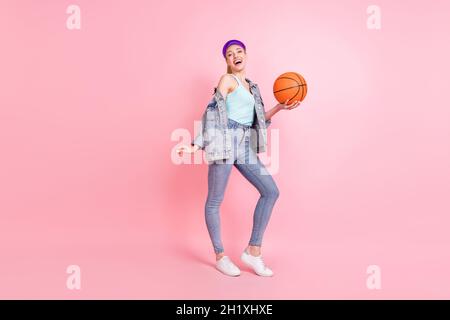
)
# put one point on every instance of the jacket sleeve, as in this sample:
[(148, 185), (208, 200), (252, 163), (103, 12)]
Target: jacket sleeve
[(211, 107), (198, 140), (268, 122)]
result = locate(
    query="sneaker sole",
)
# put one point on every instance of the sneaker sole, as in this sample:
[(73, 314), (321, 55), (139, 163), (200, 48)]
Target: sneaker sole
[(227, 274)]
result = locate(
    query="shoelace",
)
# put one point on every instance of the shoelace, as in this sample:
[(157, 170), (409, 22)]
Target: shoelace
[(260, 262), (228, 261), (225, 259)]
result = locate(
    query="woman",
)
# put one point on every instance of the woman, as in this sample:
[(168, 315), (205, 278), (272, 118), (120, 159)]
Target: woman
[(237, 100)]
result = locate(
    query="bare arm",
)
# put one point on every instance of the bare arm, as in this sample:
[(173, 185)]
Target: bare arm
[(226, 84), (281, 106)]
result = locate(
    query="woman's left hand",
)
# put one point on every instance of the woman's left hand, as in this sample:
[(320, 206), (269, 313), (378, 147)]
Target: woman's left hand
[(287, 106)]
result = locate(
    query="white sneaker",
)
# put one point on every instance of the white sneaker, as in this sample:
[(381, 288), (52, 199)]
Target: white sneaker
[(226, 266), (257, 264)]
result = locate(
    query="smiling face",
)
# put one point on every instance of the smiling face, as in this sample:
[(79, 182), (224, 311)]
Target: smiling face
[(236, 58)]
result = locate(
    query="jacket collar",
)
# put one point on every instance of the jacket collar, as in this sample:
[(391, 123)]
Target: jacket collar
[(250, 82)]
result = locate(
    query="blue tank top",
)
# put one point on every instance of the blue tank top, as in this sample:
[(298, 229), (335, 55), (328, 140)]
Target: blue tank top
[(240, 104)]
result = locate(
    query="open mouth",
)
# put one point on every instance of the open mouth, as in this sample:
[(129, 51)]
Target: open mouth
[(237, 62)]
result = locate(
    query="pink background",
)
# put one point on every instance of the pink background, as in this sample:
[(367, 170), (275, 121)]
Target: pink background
[(87, 179)]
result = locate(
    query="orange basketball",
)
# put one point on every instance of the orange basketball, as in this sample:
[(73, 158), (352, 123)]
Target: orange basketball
[(290, 85)]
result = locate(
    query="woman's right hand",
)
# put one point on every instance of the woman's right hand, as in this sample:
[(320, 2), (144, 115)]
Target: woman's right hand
[(187, 149)]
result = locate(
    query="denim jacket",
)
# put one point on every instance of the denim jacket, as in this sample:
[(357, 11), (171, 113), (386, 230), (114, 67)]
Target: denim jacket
[(215, 136)]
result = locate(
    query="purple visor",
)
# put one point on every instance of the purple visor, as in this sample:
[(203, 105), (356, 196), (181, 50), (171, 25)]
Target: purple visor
[(230, 43)]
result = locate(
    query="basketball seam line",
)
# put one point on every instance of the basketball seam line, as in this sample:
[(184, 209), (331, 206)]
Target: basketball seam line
[(299, 85)]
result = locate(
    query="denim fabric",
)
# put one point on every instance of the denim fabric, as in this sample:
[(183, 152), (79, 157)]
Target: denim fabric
[(245, 159), (214, 137)]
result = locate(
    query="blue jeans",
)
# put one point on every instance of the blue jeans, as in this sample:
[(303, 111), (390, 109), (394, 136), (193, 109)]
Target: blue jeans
[(249, 165)]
